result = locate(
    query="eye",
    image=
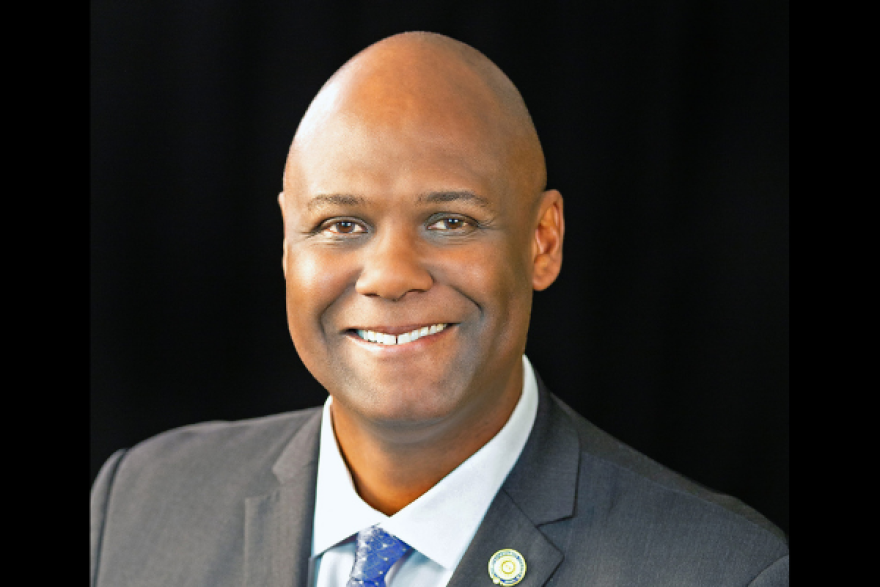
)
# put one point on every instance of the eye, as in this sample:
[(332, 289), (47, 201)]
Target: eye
[(449, 223), (343, 227)]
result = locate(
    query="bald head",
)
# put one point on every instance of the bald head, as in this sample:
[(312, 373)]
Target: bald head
[(431, 87)]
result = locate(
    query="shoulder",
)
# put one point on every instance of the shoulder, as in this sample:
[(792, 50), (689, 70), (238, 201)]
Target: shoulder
[(177, 500), (655, 523), (240, 451), (222, 439), (607, 457)]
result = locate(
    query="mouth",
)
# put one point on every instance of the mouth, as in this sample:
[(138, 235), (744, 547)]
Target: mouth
[(388, 339)]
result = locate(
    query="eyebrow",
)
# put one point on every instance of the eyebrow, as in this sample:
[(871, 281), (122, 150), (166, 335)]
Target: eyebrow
[(327, 200), (454, 196)]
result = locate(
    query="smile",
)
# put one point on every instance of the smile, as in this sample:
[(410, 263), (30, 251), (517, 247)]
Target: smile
[(406, 337)]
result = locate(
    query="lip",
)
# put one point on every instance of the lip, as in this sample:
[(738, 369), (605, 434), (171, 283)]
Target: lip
[(416, 345), (395, 330)]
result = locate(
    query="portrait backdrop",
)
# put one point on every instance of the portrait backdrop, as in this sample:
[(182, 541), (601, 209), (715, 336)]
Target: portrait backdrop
[(664, 126)]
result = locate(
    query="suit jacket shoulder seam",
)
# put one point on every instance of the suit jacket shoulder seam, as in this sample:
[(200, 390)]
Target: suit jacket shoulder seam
[(698, 497), (115, 462), (585, 452), (768, 568)]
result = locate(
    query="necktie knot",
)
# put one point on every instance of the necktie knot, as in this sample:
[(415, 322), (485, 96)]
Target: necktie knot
[(377, 551)]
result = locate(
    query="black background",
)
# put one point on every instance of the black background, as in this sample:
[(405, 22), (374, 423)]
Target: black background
[(665, 126)]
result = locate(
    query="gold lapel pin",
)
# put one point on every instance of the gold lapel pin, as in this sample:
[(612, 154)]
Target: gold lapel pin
[(507, 567)]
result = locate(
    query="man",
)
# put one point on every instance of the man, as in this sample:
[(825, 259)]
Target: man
[(417, 224)]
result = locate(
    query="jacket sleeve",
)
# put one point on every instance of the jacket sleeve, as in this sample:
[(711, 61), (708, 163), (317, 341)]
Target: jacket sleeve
[(776, 575), (100, 497)]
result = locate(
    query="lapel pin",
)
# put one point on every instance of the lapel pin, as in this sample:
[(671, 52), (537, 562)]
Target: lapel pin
[(507, 567)]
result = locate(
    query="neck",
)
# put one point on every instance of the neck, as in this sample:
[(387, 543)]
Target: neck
[(393, 465)]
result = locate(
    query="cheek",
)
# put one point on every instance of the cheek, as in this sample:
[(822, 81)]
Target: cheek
[(315, 280), (497, 279)]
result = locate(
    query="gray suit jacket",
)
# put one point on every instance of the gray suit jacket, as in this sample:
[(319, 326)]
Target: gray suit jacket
[(222, 504)]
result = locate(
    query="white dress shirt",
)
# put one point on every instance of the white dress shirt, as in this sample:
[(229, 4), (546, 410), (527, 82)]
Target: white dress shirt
[(439, 525)]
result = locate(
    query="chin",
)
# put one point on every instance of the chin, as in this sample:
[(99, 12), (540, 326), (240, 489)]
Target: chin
[(402, 405)]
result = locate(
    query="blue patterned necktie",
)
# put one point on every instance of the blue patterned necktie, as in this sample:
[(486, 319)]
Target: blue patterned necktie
[(377, 551)]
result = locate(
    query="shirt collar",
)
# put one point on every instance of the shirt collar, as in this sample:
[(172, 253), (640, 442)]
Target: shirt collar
[(442, 522)]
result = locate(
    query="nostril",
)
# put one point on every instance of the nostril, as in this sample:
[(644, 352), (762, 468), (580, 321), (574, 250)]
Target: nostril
[(393, 285), (393, 267)]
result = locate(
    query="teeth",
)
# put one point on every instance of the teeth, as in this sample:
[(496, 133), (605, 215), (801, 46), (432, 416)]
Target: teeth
[(389, 339)]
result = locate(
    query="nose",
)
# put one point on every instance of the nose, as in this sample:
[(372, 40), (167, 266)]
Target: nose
[(393, 268)]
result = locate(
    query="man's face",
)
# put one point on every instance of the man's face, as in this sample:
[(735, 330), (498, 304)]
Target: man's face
[(395, 225)]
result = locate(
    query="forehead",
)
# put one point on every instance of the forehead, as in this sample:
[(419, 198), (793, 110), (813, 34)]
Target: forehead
[(367, 154)]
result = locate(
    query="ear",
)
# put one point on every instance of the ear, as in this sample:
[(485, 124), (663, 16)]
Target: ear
[(547, 245), (284, 242)]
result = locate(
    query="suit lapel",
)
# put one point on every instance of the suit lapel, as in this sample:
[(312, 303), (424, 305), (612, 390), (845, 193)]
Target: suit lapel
[(539, 491), (278, 525), (505, 526)]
